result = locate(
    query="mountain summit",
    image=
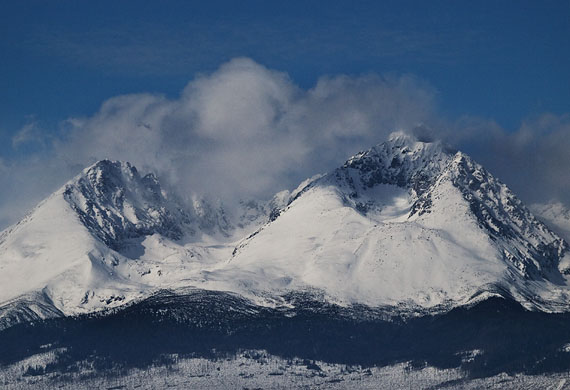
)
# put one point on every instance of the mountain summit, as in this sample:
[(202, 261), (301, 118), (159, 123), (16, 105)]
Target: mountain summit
[(107, 237), (115, 203), (414, 225), (409, 226), (67, 250)]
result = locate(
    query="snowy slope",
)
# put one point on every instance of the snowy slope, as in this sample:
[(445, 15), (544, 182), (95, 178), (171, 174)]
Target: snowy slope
[(410, 225)]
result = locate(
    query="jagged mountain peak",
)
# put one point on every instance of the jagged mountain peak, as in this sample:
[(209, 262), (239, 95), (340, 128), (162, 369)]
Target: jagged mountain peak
[(107, 176), (425, 169), (115, 203), (528, 244), (108, 236), (403, 160)]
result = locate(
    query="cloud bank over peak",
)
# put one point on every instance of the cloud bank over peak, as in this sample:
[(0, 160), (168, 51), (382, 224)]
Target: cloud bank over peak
[(246, 131)]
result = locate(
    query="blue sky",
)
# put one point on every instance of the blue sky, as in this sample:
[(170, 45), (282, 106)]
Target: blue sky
[(504, 63), (498, 59)]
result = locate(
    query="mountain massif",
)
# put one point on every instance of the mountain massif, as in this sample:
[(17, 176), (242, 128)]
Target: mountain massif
[(407, 226), (408, 253)]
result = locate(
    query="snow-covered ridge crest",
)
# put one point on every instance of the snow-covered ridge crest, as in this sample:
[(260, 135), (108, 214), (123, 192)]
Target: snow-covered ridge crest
[(401, 161), (115, 203), (535, 250)]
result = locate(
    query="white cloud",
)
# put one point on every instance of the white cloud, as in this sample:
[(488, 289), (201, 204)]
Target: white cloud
[(241, 100), (247, 131), (241, 131), (30, 133)]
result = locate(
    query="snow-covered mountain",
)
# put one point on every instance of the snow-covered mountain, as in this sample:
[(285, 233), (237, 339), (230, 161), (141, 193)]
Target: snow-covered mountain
[(407, 225), (413, 223), (107, 237)]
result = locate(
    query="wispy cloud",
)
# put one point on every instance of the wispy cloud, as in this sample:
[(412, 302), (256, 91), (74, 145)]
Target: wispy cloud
[(30, 134)]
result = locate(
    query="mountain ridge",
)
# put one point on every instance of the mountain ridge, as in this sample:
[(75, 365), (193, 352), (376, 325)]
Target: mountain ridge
[(408, 224)]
